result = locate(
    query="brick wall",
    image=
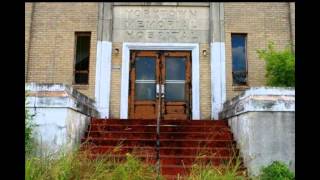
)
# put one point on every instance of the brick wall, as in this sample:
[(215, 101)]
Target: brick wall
[(51, 58), (205, 83), (263, 22), (28, 14), (115, 92)]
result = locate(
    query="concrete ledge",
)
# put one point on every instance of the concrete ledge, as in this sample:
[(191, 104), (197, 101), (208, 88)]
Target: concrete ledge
[(61, 116), (262, 121), (270, 99), (59, 96)]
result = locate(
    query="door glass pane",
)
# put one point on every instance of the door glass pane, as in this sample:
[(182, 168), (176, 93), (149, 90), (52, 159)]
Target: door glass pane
[(145, 91), (145, 78), (145, 68), (175, 68), (175, 79), (175, 92)]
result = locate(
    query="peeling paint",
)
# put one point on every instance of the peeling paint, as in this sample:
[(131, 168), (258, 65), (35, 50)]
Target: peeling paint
[(263, 124)]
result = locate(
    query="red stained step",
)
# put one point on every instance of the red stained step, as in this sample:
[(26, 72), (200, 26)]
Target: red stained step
[(172, 171), (189, 160), (162, 122), (188, 151), (182, 143), (122, 150), (163, 128), (120, 141), (163, 135), (196, 143), (149, 159), (122, 134), (196, 135)]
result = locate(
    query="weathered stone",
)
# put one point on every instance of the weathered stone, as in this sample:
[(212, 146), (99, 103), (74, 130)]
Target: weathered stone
[(263, 124), (160, 24), (61, 115)]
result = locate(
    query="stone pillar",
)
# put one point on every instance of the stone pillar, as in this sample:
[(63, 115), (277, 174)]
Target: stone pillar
[(217, 58), (103, 62)]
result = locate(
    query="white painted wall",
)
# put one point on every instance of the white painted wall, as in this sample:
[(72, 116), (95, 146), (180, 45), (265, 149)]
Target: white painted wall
[(103, 77), (262, 120), (218, 78), (58, 129)]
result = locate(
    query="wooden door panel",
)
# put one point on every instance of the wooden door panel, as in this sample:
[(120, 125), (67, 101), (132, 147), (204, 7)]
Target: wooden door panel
[(144, 76), (177, 79), (172, 71)]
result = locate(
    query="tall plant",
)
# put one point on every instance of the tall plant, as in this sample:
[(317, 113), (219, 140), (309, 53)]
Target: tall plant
[(280, 66), (28, 140)]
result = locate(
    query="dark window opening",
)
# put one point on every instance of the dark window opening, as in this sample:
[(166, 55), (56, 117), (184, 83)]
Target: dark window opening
[(239, 59), (81, 72)]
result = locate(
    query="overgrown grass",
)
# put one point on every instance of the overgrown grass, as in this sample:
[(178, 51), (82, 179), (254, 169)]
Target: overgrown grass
[(28, 133), (80, 165), (230, 170)]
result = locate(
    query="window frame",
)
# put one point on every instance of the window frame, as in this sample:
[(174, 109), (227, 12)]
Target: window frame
[(246, 84), (76, 35)]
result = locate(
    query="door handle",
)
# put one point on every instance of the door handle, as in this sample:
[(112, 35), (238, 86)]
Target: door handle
[(157, 90), (162, 90)]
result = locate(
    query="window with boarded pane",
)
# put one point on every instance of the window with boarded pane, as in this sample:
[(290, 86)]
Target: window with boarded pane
[(82, 56), (239, 59)]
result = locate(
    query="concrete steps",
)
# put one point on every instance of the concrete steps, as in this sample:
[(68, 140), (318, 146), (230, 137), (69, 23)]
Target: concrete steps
[(182, 143)]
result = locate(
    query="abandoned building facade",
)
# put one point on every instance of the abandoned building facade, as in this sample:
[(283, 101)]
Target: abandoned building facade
[(123, 57)]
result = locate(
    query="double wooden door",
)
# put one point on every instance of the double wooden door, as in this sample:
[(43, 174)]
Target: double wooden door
[(160, 84)]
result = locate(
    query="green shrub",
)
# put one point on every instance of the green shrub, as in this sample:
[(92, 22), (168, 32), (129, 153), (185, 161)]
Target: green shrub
[(28, 140), (280, 66), (276, 171)]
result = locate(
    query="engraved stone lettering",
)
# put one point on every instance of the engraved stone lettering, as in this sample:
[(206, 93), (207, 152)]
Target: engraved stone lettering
[(158, 24), (193, 12), (170, 24), (156, 15), (146, 12), (174, 35), (130, 33), (129, 24), (172, 14), (139, 34), (129, 11), (150, 34), (140, 24), (137, 13)]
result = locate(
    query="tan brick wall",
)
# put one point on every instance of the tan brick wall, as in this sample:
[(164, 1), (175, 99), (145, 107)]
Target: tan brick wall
[(115, 92), (52, 45), (262, 22), (53, 42), (28, 14), (205, 83)]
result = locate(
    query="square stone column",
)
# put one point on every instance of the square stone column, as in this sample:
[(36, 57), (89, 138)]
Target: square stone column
[(103, 62), (217, 58)]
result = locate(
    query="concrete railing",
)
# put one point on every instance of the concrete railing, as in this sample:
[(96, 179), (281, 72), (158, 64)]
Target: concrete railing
[(60, 114), (263, 124)]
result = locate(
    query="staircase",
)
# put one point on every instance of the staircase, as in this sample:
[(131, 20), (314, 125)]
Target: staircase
[(181, 142)]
